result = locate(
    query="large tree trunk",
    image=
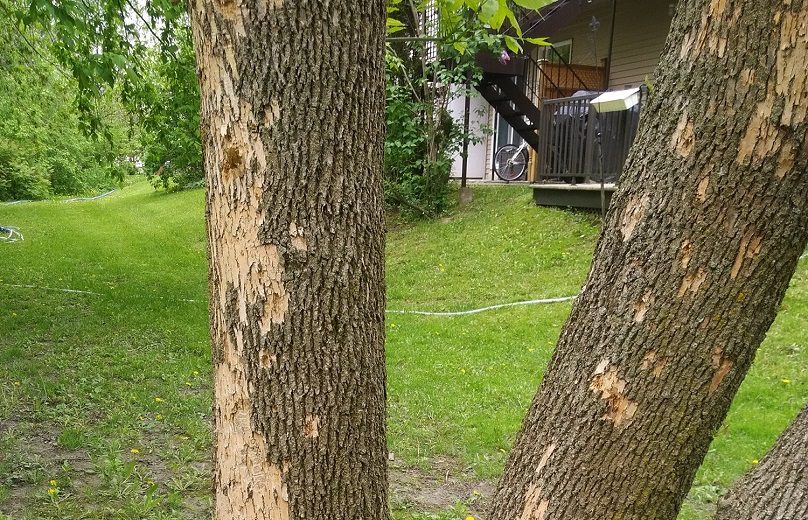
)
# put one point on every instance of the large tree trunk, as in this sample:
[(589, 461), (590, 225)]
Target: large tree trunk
[(292, 125), (777, 488), (696, 254)]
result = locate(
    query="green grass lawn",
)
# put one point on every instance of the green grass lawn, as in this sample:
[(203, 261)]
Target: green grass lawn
[(105, 397)]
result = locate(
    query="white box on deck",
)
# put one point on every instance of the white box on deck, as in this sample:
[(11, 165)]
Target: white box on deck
[(616, 100)]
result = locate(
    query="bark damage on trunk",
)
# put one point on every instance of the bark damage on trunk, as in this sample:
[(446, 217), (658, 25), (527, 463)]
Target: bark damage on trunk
[(777, 488), (696, 255), (292, 126)]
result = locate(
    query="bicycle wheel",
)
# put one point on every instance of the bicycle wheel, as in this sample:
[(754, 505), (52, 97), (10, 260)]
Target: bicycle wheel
[(510, 162)]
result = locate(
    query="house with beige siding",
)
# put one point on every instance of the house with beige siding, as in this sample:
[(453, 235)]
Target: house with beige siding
[(598, 45)]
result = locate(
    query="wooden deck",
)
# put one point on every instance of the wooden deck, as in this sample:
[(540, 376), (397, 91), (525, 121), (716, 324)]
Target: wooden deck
[(563, 194)]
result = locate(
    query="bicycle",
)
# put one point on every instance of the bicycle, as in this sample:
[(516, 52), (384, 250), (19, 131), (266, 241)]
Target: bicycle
[(510, 161)]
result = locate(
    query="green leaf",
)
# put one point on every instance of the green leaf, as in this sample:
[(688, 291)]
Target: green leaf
[(532, 4), (488, 10), (512, 44), (539, 41), (117, 60), (499, 18), (393, 26), (514, 23), (460, 47)]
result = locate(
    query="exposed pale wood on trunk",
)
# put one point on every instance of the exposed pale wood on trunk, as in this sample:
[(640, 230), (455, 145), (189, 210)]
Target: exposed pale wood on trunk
[(701, 240), (292, 125)]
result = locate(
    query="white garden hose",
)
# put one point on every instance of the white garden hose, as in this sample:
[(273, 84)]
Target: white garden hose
[(488, 308), (10, 234)]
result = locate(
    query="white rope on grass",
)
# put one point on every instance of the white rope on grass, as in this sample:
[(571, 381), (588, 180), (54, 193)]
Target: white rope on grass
[(540, 301), (419, 313), (499, 306), (77, 199), (484, 309), (72, 291), (82, 199), (76, 291)]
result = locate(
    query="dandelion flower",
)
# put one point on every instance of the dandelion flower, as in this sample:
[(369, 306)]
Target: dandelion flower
[(786, 381), (755, 461), (134, 451), (52, 491), (158, 399), (53, 483)]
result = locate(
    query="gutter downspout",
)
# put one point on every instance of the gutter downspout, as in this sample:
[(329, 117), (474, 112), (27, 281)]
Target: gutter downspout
[(608, 73)]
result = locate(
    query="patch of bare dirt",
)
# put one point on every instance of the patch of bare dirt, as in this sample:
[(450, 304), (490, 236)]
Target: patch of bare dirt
[(32, 454), (442, 486)]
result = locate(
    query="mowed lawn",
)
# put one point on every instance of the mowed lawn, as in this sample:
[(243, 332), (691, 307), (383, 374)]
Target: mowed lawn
[(105, 395)]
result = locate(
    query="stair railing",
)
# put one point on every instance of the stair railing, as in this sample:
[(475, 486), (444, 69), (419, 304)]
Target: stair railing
[(537, 70)]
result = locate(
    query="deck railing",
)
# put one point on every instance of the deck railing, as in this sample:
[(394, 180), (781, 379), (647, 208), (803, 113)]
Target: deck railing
[(576, 144), (563, 80)]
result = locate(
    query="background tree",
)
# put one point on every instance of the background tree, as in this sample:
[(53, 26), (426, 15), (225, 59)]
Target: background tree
[(777, 488), (696, 254), (425, 70)]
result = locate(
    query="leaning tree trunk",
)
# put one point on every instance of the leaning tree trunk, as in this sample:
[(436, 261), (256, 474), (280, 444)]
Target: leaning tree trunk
[(696, 254), (292, 125), (777, 488)]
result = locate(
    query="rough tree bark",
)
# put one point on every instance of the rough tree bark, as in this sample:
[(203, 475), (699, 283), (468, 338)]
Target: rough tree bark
[(292, 124), (777, 488), (696, 254)]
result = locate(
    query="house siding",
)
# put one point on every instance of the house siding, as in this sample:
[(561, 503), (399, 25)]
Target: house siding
[(585, 49), (639, 38), (641, 27)]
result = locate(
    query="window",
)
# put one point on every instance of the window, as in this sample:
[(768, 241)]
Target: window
[(563, 52)]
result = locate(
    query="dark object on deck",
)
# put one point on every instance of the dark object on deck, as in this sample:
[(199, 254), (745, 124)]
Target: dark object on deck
[(568, 139)]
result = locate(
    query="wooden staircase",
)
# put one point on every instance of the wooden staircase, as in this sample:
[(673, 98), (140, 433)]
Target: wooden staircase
[(505, 94), (517, 88)]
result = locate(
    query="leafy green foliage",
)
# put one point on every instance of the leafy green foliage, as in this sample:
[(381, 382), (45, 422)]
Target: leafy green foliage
[(414, 182), (138, 53), (103, 43), (423, 74), (43, 151), (166, 108)]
